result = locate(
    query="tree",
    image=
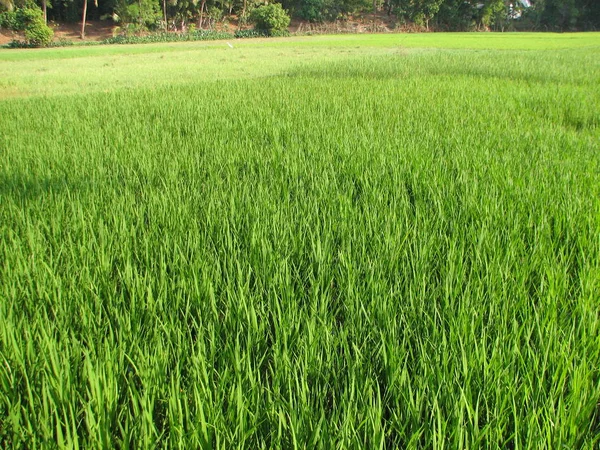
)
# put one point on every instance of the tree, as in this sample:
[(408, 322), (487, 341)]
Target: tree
[(430, 8), (317, 10), (559, 14), (421, 12), (490, 11), (270, 18), (85, 4), (139, 14)]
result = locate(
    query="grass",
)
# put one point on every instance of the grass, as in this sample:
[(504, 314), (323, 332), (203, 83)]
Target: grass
[(330, 242)]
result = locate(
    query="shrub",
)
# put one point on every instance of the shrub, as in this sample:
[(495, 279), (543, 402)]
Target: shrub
[(197, 35), (26, 16), (18, 19), (38, 34), (241, 34), (30, 20), (8, 20), (15, 43), (270, 18), (281, 33)]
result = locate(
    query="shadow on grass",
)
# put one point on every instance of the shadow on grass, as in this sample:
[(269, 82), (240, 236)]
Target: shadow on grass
[(25, 187)]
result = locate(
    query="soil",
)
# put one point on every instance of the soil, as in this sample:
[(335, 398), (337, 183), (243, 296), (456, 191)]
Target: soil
[(364, 23), (94, 31), (100, 30)]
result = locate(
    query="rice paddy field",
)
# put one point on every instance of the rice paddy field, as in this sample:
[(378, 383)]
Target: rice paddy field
[(349, 242)]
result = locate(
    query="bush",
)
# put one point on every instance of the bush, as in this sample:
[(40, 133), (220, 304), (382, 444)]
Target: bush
[(38, 34), (15, 43), (8, 20), (281, 33), (26, 16), (30, 20), (242, 34), (197, 35), (18, 19), (270, 18)]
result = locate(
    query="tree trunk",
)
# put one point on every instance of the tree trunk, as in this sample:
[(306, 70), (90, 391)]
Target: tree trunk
[(84, 18), (374, 6), (244, 9), (201, 17), (165, 14), (45, 10)]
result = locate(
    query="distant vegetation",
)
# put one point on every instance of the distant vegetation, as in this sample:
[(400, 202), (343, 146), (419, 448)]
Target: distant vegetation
[(350, 242), (133, 17), (30, 20)]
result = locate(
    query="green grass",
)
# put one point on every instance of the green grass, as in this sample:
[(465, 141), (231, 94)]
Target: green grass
[(334, 242)]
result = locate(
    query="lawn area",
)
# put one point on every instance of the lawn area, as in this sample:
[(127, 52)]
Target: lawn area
[(357, 241)]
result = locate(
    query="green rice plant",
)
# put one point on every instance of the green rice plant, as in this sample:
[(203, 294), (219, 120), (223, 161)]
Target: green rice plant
[(303, 245)]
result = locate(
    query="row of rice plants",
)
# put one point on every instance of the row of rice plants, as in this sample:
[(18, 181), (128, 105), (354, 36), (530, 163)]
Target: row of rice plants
[(393, 252)]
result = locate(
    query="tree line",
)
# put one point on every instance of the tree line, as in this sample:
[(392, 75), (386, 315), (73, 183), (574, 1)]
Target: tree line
[(451, 15)]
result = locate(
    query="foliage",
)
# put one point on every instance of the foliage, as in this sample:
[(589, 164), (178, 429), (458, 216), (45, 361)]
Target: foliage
[(142, 14), (8, 20), (281, 33), (457, 15), (137, 16), (15, 43), (270, 18), (491, 12), (18, 19), (198, 35), (419, 12), (6, 5), (31, 21), (38, 34), (153, 38), (242, 34), (214, 14), (570, 14), (291, 257), (485, 14), (316, 10)]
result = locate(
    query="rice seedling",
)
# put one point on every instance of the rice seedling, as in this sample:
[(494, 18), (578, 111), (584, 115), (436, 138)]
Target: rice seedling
[(312, 246)]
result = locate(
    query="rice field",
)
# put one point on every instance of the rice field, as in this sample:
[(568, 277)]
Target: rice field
[(382, 241)]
